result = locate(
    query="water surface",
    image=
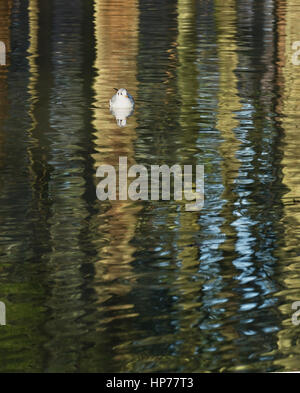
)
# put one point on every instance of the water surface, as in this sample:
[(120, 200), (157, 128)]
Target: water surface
[(118, 286)]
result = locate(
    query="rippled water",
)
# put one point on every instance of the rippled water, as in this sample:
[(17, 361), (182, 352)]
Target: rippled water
[(147, 286)]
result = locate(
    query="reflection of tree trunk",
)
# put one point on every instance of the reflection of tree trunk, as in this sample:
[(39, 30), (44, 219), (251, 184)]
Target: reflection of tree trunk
[(5, 8), (228, 104), (188, 227), (288, 107), (228, 97), (116, 29), (19, 252), (58, 169)]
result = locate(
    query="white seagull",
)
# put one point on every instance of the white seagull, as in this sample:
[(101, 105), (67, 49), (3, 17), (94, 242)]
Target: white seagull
[(121, 115), (122, 99)]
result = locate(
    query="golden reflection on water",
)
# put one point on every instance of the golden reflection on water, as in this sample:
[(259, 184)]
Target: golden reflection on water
[(289, 109), (5, 10), (5, 21), (228, 105), (32, 55), (116, 35), (228, 97), (187, 226)]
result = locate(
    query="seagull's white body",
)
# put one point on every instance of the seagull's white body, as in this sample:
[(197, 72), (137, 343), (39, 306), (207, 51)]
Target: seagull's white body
[(121, 100), (121, 115)]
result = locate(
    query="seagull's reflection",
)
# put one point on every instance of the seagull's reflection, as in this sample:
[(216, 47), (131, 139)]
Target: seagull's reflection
[(121, 115)]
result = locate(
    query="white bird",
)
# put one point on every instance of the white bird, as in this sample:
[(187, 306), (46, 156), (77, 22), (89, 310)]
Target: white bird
[(122, 99), (121, 115)]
